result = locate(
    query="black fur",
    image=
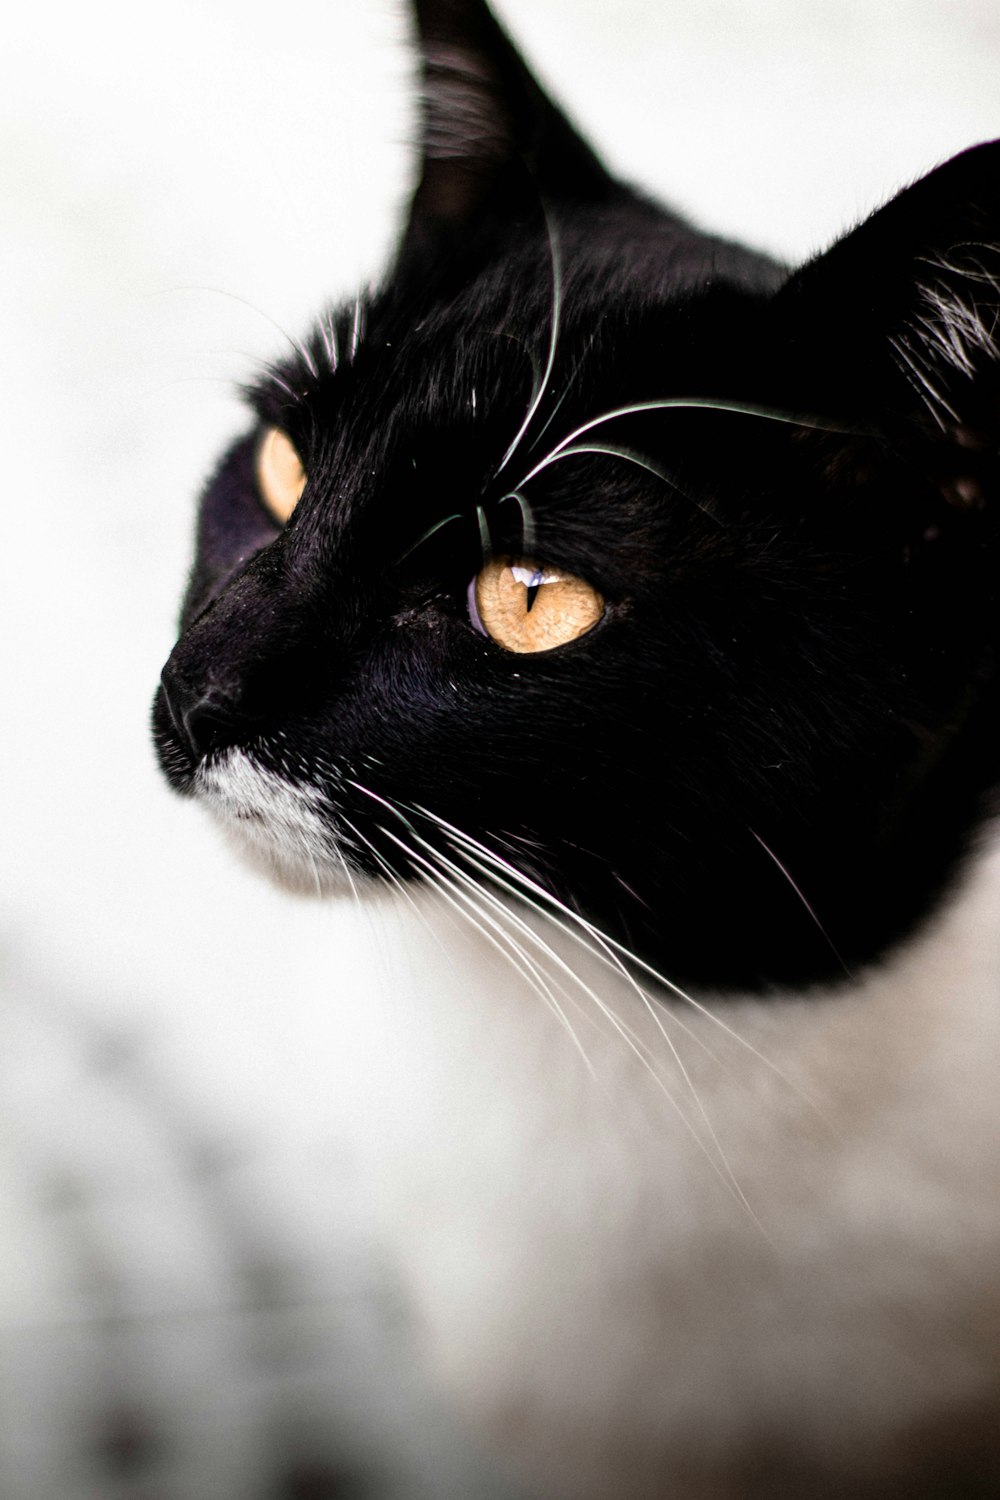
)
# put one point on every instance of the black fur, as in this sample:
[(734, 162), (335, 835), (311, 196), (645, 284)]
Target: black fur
[(768, 760)]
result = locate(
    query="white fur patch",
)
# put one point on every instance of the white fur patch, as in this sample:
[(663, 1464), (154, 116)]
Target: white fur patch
[(278, 826)]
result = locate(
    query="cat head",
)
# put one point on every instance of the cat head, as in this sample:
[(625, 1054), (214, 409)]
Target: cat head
[(596, 561)]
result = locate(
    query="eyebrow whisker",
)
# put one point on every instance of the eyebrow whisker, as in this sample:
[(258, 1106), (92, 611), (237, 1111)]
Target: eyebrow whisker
[(541, 382), (527, 521), (431, 531), (695, 403), (629, 456)]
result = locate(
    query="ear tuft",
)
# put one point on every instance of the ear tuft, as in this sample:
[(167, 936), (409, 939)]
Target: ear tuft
[(897, 327), (950, 340)]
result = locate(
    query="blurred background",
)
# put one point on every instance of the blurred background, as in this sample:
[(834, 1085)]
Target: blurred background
[(180, 188)]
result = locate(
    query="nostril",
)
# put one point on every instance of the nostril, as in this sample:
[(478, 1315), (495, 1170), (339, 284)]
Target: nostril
[(204, 719), (209, 724)]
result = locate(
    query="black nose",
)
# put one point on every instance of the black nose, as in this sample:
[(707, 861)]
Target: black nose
[(205, 716)]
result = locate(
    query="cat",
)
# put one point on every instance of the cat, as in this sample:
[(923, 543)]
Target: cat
[(616, 610)]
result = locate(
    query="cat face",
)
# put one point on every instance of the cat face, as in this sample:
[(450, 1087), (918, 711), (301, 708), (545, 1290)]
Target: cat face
[(603, 561)]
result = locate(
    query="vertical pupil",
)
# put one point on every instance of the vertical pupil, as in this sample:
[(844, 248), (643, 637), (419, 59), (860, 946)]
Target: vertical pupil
[(532, 585)]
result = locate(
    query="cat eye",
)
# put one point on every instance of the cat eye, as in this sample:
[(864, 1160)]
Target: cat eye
[(280, 475), (524, 606)]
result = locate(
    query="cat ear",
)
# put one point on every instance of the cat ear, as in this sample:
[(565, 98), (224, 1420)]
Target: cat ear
[(492, 143), (898, 325)]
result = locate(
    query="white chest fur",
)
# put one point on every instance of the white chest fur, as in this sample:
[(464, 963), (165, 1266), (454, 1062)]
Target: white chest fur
[(656, 1249)]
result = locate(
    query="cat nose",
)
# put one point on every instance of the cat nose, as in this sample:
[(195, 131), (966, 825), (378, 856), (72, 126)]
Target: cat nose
[(205, 717)]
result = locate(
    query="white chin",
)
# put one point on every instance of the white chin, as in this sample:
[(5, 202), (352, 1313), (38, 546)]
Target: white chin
[(276, 827)]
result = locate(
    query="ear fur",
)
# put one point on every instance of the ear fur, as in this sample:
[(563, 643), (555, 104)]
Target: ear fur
[(905, 311), (492, 143)]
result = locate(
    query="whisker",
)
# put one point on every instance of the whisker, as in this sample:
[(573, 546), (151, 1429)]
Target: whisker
[(557, 407), (485, 540), (346, 867), (703, 403), (633, 458), (574, 372), (471, 847), (307, 358), (276, 379), (527, 522), (219, 291), (400, 886), (922, 384), (624, 1030), (523, 967), (459, 875), (482, 922), (357, 328), (311, 860), (500, 907), (805, 902), (328, 330), (438, 525), (540, 385)]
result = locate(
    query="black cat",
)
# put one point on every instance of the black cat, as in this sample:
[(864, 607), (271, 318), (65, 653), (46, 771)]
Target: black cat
[(613, 583)]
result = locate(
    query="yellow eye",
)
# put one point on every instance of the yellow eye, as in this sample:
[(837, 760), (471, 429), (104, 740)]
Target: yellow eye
[(524, 606), (280, 475)]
